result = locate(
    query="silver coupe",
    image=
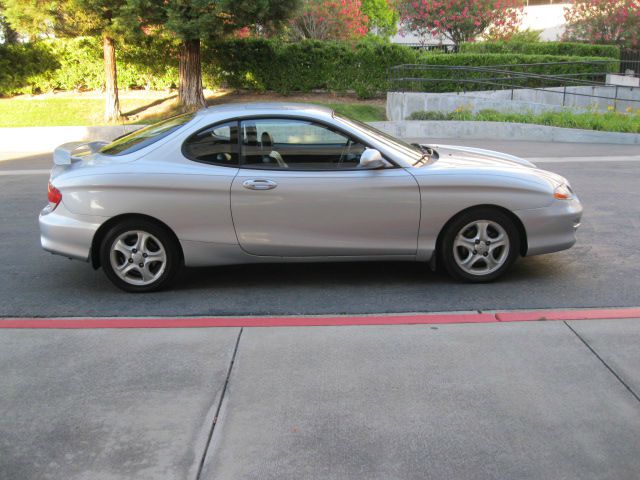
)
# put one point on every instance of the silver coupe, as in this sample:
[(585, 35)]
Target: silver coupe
[(278, 182)]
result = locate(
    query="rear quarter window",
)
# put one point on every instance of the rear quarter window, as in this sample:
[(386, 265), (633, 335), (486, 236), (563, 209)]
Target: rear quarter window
[(146, 136), (215, 144)]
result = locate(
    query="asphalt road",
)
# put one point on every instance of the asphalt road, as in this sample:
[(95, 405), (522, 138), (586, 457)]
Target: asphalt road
[(603, 269)]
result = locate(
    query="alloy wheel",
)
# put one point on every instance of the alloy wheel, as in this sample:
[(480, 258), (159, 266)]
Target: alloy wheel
[(481, 247), (137, 257)]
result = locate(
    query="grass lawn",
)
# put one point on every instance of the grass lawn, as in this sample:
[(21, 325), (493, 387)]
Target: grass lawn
[(364, 113), (22, 112), (607, 122), (147, 107)]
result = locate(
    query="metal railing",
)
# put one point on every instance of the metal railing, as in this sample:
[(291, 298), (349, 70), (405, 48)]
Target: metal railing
[(630, 60), (530, 76)]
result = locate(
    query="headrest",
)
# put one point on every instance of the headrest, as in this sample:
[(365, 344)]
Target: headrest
[(266, 140), (252, 135)]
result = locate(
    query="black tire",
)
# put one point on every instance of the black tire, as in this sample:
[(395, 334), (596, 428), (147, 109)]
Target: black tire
[(450, 258), (159, 241)]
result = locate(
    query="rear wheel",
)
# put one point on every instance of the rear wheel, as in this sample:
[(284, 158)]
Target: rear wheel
[(139, 256), (480, 245)]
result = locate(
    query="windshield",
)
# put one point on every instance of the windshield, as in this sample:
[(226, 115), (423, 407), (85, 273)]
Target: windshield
[(145, 136), (414, 152)]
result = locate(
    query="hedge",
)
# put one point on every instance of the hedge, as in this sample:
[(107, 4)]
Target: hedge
[(24, 65), (305, 66), (254, 64), (76, 64), (436, 80), (543, 48)]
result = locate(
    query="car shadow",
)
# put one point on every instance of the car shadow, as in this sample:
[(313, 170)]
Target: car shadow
[(306, 274), (371, 275)]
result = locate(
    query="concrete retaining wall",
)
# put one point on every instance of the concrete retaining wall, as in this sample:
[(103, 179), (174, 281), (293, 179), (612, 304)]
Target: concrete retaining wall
[(502, 131), (402, 104)]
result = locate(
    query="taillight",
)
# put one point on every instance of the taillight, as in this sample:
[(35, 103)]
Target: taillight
[(54, 196)]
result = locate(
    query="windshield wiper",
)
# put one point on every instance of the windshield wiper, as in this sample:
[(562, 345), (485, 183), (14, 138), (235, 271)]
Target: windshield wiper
[(428, 153)]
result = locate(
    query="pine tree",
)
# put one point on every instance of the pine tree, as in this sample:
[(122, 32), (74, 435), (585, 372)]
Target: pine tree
[(195, 20)]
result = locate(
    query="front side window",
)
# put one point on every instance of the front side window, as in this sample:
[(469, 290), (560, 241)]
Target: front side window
[(217, 144), (411, 152), (297, 145), (146, 136)]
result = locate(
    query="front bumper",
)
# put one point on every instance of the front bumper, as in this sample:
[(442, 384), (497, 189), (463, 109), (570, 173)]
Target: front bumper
[(553, 228), (67, 234)]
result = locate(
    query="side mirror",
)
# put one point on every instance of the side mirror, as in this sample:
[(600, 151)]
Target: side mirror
[(371, 159)]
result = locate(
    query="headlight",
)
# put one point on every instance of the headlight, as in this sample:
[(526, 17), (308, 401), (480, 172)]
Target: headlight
[(563, 192)]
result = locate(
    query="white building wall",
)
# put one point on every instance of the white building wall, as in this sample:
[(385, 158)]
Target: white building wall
[(548, 18)]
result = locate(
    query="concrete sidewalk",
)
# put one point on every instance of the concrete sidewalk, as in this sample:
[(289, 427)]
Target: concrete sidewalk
[(526, 400)]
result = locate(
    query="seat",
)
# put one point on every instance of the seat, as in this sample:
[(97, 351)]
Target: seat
[(252, 136), (266, 143)]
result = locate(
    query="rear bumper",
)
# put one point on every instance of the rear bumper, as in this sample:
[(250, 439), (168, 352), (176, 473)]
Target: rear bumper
[(553, 228), (64, 233)]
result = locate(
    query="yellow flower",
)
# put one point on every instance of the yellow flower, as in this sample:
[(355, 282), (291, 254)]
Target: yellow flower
[(629, 109), (610, 108)]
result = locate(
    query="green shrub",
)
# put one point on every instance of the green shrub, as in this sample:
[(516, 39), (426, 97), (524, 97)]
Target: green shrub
[(21, 66), (151, 63), (543, 48), (305, 66), (428, 115), (77, 64), (527, 35), (363, 68), (609, 121), (258, 64), (443, 80)]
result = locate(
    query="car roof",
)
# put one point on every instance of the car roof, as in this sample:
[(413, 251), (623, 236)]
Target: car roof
[(258, 108)]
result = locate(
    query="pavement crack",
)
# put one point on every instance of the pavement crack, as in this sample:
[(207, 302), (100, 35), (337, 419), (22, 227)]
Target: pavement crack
[(613, 372), (219, 406)]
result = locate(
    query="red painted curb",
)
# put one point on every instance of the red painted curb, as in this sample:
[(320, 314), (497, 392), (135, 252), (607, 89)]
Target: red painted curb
[(201, 322), (591, 314), (301, 321)]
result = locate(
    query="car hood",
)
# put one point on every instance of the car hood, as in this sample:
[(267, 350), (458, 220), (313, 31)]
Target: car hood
[(478, 156), (451, 157)]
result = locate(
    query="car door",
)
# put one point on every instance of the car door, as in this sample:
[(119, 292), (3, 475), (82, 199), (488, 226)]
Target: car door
[(299, 193)]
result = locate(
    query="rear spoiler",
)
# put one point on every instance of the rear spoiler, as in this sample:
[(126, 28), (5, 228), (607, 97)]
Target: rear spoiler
[(64, 154)]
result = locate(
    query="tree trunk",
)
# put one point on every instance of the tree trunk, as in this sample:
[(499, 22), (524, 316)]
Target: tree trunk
[(10, 35), (190, 92), (112, 104)]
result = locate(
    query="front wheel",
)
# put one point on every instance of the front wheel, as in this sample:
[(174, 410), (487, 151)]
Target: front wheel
[(139, 256), (480, 245)]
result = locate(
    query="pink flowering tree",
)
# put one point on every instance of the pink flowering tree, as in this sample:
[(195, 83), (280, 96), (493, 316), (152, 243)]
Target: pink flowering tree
[(604, 21), (330, 20), (461, 20)]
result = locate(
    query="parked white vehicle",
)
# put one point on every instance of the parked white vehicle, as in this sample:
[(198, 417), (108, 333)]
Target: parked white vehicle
[(284, 182)]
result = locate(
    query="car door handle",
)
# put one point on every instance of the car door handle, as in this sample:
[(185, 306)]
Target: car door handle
[(259, 184)]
